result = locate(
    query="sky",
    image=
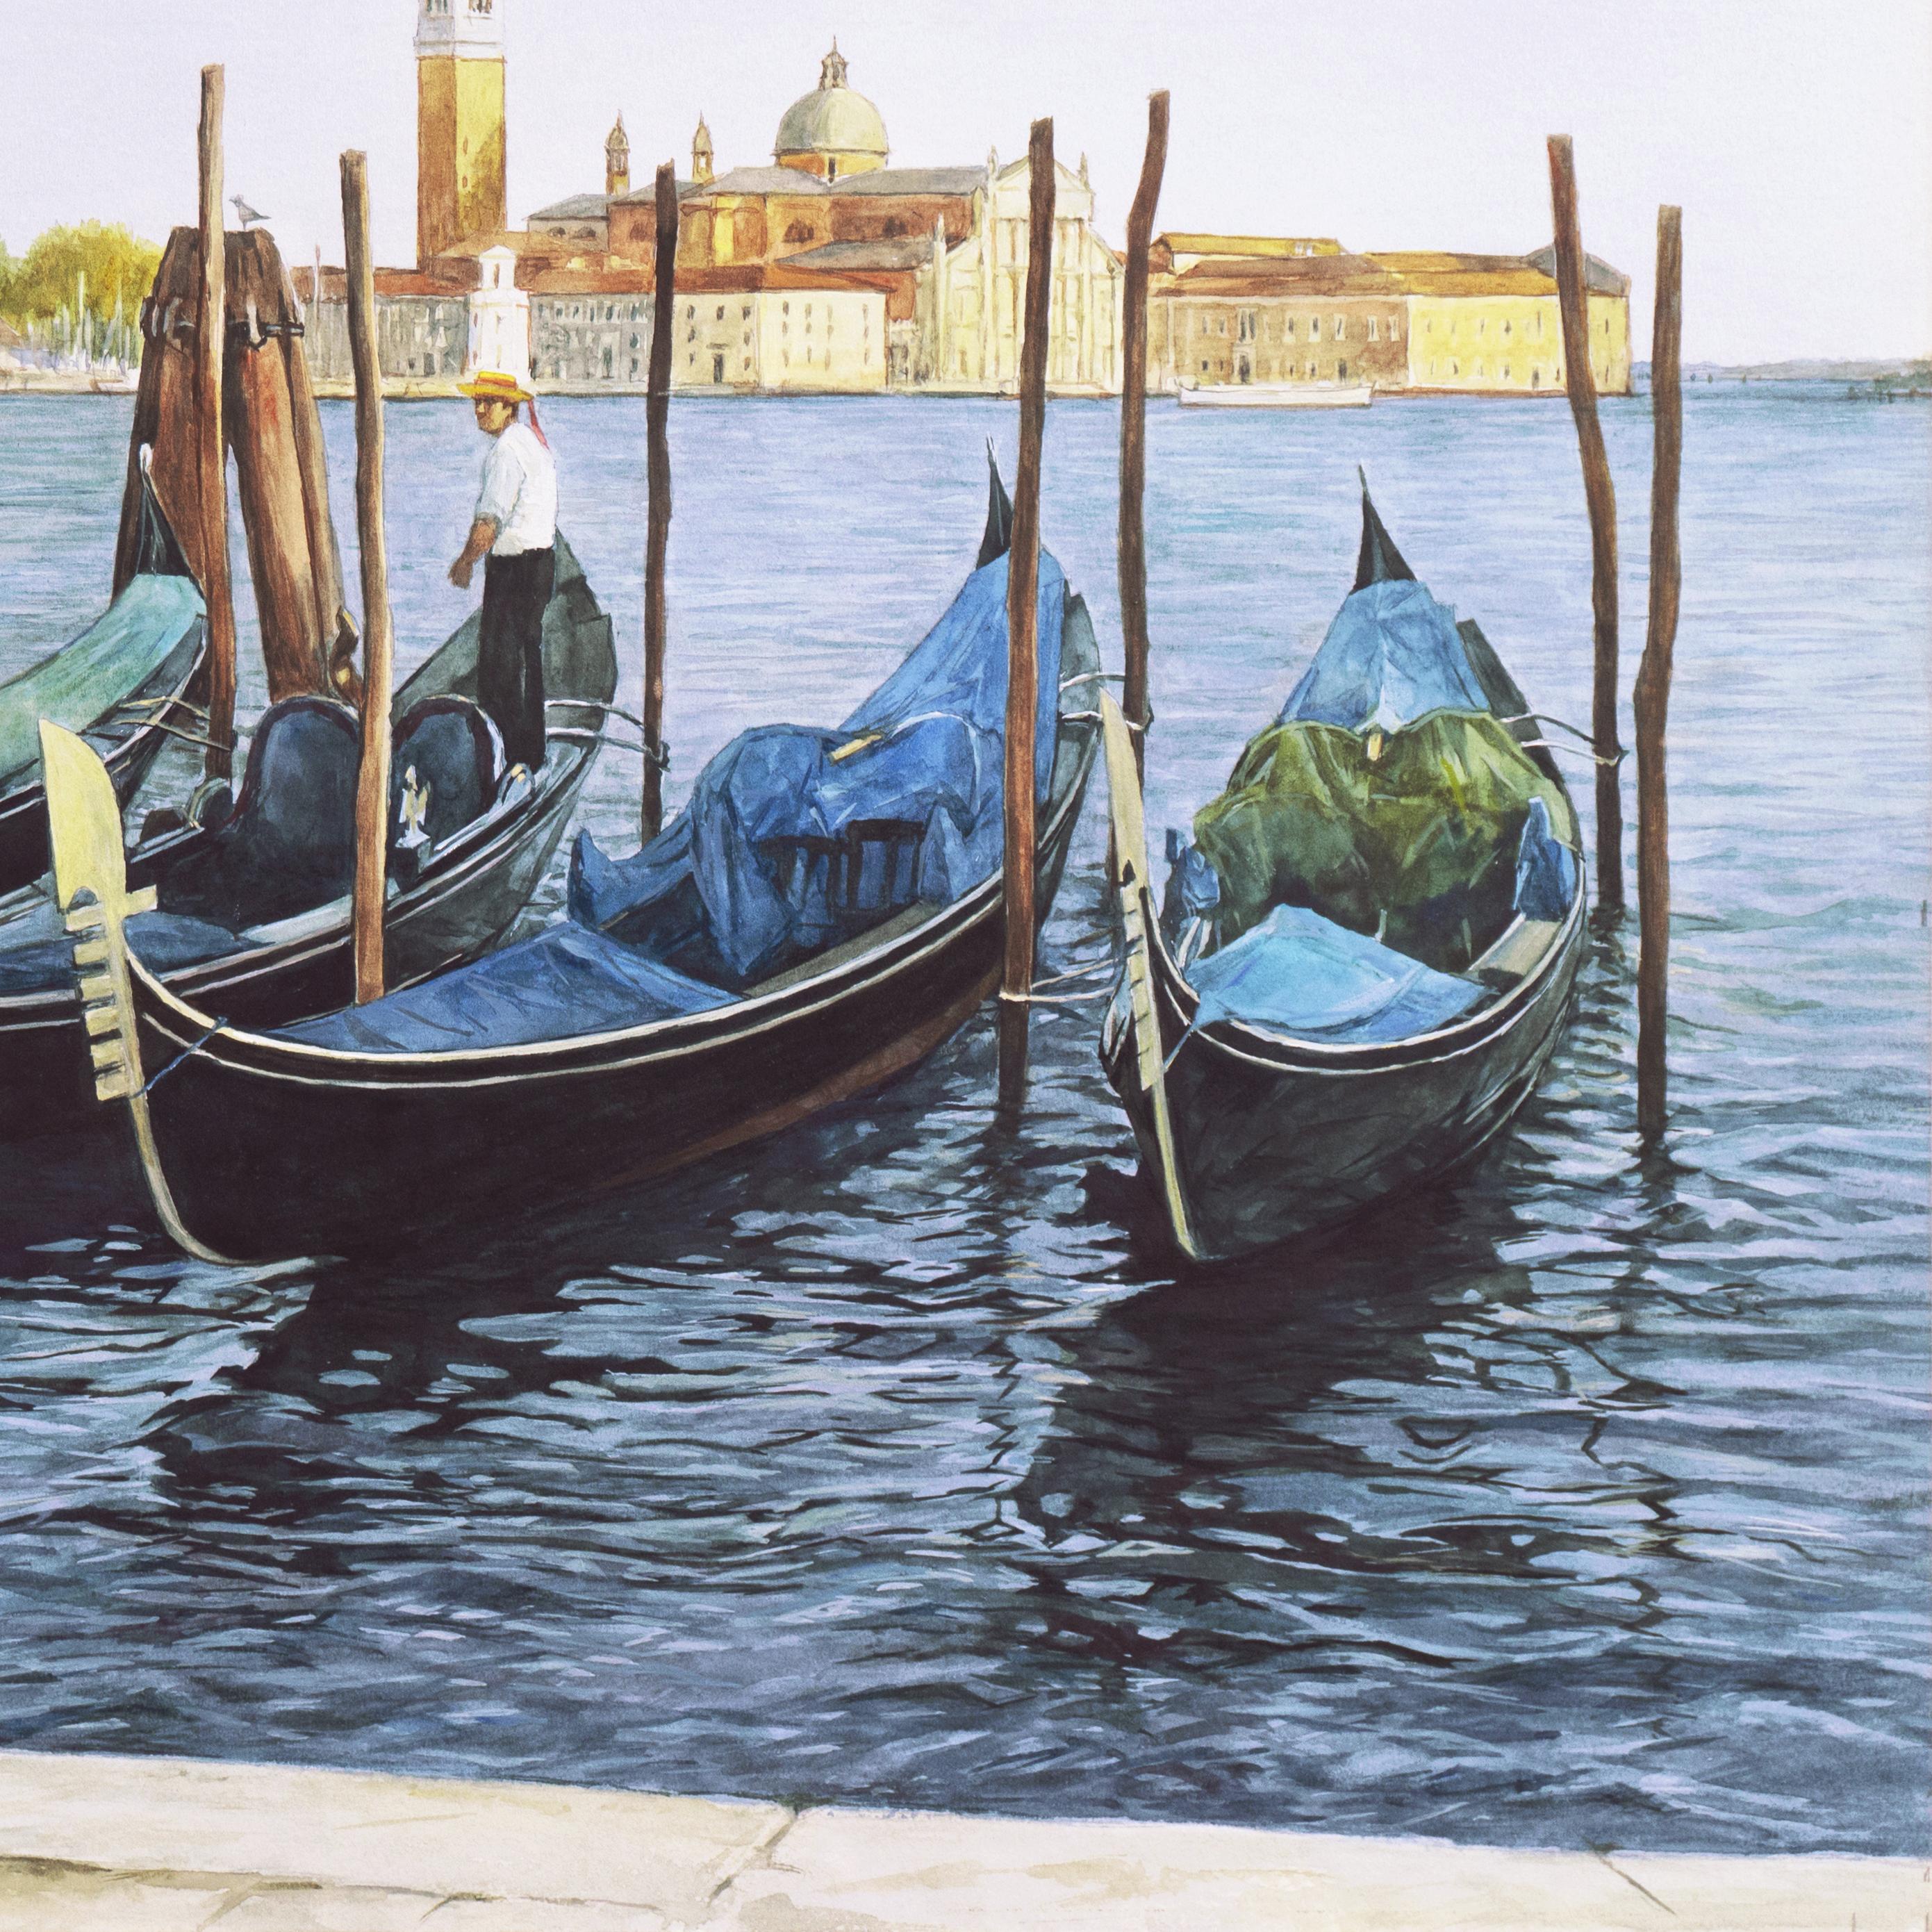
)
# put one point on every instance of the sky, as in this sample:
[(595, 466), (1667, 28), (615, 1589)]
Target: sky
[(1797, 138)]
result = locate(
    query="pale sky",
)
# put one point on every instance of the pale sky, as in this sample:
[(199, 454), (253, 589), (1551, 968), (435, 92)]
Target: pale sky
[(1798, 138)]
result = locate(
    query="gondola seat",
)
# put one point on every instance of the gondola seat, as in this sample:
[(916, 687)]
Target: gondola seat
[(290, 843), (449, 754)]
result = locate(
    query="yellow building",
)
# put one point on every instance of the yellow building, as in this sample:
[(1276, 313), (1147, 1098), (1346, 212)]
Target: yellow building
[(1240, 309), (459, 124), (1493, 323)]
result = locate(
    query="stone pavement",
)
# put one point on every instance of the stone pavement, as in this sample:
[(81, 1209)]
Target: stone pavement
[(107, 1844)]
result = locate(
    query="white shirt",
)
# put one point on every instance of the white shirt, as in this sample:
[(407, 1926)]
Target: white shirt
[(519, 493)]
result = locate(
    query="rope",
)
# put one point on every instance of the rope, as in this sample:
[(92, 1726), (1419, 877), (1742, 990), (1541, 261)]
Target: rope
[(1576, 751), (186, 1053)]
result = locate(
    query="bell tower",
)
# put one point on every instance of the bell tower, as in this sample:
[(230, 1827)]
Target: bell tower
[(460, 123), (617, 160)]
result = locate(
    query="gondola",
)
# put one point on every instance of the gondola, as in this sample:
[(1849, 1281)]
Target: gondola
[(1362, 959), (125, 683), (251, 918), (824, 911)]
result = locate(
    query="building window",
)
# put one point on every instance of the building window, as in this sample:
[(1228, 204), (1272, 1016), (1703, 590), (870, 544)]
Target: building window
[(745, 313), (634, 372), (1311, 372), (1341, 368), (1481, 324), (691, 313), (1315, 329), (1341, 327), (1373, 336), (1288, 328), (1392, 328), (721, 306), (1506, 326), (634, 344), (1204, 366)]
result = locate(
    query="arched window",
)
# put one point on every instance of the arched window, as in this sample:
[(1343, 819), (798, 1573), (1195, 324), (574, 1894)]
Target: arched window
[(894, 226), (799, 231)]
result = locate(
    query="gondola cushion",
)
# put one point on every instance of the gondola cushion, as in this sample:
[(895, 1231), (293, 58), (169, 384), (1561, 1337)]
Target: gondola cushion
[(291, 843), (1299, 973), (456, 754)]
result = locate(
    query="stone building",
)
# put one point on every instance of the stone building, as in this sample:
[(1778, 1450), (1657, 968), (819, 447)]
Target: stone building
[(1262, 310), (754, 329), (422, 329), (945, 247)]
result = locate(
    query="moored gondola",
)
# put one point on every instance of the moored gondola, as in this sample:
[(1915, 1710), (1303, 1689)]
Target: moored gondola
[(824, 911), (124, 684), (1364, 957), (251, 918)]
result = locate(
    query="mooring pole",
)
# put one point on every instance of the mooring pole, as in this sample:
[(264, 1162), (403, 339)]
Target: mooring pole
[(657, 434), (372, 776), (1023, 625), (1600, 494), (210, 344), (1651, 700), (1132, 544)]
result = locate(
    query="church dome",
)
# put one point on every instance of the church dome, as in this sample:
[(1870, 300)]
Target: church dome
[(832, 121)]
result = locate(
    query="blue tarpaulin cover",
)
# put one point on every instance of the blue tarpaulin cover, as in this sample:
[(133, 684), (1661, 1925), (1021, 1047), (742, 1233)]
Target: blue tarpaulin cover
[(1305, 975), (1547, 871), (36, 955), (563, 983), (928, 746), (1392, 655)]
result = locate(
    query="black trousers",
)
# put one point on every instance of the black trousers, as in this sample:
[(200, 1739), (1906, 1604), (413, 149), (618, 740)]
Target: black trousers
[(509, 652)]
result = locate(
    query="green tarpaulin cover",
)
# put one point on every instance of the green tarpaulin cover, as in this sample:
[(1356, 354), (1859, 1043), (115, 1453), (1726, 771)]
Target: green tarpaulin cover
[(1416, 847), (103, 665)]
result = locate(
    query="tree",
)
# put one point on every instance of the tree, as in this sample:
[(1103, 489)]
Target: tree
[(119, 268)]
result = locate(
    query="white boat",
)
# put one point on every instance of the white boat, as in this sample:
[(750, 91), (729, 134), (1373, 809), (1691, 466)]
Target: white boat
[(1280, 395)]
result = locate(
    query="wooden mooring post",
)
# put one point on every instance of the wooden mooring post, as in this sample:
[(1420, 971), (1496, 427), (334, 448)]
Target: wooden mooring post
[(212, 465), (1133, 541), (1600, 494), (1023, 626), (372, 778), (657, 538), (1651, 700)]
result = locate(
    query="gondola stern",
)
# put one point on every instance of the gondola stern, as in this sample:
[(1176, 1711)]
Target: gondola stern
[(90, 866), (999, 535), (1378, 560)]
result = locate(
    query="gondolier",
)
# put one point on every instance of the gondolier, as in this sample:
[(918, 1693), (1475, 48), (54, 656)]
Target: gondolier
[(515, 532)]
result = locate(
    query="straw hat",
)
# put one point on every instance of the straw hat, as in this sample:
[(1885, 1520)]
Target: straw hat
[(493, 385)]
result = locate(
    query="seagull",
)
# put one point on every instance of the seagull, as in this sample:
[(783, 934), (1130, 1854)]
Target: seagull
[(247, 215)]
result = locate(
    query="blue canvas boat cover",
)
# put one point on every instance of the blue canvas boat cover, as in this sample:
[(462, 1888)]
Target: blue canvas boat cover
[(562, 983), (1392, 655), (110, 661), (1299, 974), (927, 748)]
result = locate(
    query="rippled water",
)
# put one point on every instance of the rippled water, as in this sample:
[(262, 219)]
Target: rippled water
[(1582, 1502)]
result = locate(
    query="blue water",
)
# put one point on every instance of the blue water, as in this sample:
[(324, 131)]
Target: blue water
[(1583, 1501)]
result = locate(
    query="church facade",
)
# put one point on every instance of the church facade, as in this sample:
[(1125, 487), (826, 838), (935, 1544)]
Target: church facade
[(942, 252)]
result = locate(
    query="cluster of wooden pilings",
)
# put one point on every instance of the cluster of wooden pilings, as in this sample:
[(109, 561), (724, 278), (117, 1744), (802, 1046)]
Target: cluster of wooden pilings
[(223, 373)]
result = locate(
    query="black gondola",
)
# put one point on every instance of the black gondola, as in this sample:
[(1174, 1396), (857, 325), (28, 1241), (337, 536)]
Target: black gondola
[(349, 1132), (123, 684), (1290, 1074), (252, 918)]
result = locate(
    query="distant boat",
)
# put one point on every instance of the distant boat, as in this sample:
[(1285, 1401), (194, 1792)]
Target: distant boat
[(1280, 396)]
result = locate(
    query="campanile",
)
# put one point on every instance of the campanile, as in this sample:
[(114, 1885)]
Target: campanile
[(460, 129)]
